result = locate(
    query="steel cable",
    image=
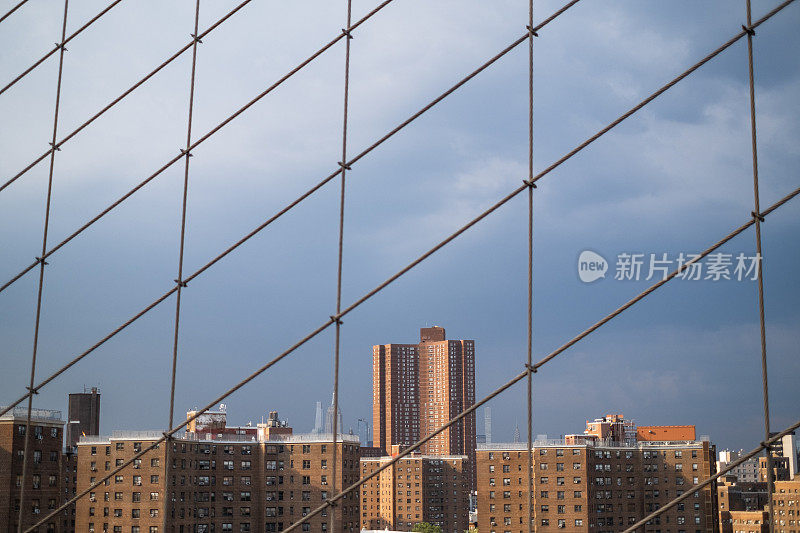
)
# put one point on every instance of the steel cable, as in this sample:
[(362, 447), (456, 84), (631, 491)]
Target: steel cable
[(760, 273), (42, 263), (182, 241), (13, 9), (529, 354), (343, 164)]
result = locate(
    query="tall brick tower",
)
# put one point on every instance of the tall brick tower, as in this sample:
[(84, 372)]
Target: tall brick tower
[(417, 388)]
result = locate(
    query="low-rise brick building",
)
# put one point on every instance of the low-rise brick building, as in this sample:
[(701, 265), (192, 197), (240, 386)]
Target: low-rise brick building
[(596, 488), (418, 488), (215, 482), (43, 484)]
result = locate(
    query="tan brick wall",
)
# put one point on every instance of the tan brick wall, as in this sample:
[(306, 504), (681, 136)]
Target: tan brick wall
[(416, 489), (43, 483), (594, 489), (218, 486)]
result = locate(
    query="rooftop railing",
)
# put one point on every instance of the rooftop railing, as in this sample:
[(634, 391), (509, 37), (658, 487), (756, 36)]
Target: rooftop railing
[(39, 414)]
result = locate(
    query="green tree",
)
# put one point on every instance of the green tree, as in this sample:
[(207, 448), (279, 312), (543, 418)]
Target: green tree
[(425, 527)]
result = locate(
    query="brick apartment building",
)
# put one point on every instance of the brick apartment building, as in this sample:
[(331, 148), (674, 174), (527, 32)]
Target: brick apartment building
[(595, 488), (46, 486), (746, 522), (786, 501), (417, 388), (240, 480), (599, 482), (418, 488)]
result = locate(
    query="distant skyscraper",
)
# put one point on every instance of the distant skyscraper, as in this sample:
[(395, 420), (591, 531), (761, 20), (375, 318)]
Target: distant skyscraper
[(417, 388), (329, 420), (516, 432), (487, 423), (318, 419), (83, 416)]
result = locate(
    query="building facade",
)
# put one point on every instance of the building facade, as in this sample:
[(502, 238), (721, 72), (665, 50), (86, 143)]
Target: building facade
[(417, 388), (596, 488), (746, 472), (44, 488), (212, 482), (418, 488), (786, 501)]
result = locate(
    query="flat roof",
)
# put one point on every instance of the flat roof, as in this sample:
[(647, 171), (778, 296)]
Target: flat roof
[(46, 416)]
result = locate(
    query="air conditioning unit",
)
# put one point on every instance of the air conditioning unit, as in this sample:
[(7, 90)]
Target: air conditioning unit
[(36, 511)]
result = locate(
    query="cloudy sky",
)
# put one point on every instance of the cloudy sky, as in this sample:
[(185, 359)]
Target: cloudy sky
[(675, 177)]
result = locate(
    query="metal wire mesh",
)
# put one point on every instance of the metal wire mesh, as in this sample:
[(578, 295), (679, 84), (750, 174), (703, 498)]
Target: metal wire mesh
[(757, 216)]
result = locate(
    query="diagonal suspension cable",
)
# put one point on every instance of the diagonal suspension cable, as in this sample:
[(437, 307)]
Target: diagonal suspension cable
[(13, 9), (42, 263), (57, 46), (283, 211), (194, 145), (519, 377), (115, 101)]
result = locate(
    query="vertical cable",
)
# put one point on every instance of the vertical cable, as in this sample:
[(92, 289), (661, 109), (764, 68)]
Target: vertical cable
[(530, 265), (758, 218), (343, 164), (179, 281), (31, 390)]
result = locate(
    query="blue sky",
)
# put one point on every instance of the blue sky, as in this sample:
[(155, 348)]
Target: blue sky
[(675, 177)]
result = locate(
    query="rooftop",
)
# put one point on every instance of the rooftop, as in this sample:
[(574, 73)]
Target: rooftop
[(559, 443), (215, 438), (417, 456), (40, 415)]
